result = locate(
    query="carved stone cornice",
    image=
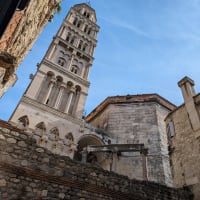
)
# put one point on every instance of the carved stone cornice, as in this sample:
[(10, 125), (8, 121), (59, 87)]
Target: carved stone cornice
[(44, 107)]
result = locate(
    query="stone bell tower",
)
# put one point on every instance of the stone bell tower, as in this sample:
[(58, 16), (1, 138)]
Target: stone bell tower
[(59, 88)]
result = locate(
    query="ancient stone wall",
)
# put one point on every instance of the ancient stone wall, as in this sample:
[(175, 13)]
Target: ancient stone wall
[(28, 171)]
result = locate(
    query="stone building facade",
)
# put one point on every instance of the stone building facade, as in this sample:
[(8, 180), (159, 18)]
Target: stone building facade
[(183, 125), (137, 119), (21, 22)]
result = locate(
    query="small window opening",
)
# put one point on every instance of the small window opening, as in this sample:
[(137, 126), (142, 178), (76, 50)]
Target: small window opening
[(170, 129)]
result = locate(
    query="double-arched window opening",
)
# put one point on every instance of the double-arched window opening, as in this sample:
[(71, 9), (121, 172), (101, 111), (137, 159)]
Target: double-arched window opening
[(86, 14), (77, 22), (61, 61), (75, 69)]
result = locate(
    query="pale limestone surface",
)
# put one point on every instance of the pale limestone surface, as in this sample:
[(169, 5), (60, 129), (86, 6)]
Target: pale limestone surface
[(184, 145)]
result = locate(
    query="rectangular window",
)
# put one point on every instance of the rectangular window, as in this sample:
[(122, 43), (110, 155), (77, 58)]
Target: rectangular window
[(170, 129)]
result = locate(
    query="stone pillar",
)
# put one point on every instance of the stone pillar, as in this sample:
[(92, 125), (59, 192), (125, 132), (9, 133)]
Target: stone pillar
[(76, 103), (86, 71), (58, 100), (71, 61), (52, 51), (69, 101), (60, 33), (49, 91)]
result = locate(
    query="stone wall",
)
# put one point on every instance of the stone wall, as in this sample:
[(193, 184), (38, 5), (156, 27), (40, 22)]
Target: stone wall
[(28, 171), (184, 147), (138, 123)]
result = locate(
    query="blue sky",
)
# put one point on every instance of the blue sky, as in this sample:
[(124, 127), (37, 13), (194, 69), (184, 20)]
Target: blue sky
[(144, 46)]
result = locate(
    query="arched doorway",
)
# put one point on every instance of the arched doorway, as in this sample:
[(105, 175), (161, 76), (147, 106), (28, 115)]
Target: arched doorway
[(85, 141)]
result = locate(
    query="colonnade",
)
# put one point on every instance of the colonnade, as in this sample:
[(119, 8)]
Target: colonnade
[(56, 94)]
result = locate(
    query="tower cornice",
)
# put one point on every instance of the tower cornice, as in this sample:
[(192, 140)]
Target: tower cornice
[(65, 72), (51, 110)]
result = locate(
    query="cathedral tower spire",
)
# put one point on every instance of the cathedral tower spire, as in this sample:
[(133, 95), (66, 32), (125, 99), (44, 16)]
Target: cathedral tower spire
[(59, 88)]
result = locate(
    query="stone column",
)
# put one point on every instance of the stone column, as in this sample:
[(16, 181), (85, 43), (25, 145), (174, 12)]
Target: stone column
[(51, 51), (86, 72), (69, 101), (71, 61), (50, 88), (76, 103), (61, 31), (58, 100)]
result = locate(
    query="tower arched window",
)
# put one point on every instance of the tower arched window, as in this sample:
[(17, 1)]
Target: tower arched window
[(51, 99), (75, 21), (85, 47), (23, 122), (72, 40), (89, 31), (65, 96), (68, 37), (54, 134), (80, 44), (88, 15), (75, 69), (40, 129), (86, 28), (61, 61), (79, 23)]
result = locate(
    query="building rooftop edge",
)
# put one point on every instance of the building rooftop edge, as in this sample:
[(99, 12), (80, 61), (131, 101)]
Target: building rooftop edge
[(130, 99), (196, 100)]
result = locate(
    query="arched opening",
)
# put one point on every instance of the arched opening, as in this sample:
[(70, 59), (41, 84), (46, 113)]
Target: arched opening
[(40, 129), (23, 122), (61, 61), (75, 69), (69, 136), (54, 134), (65, 96), (45, 87), (51, 100), (75, 21), (75, 100), (85, 141)]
